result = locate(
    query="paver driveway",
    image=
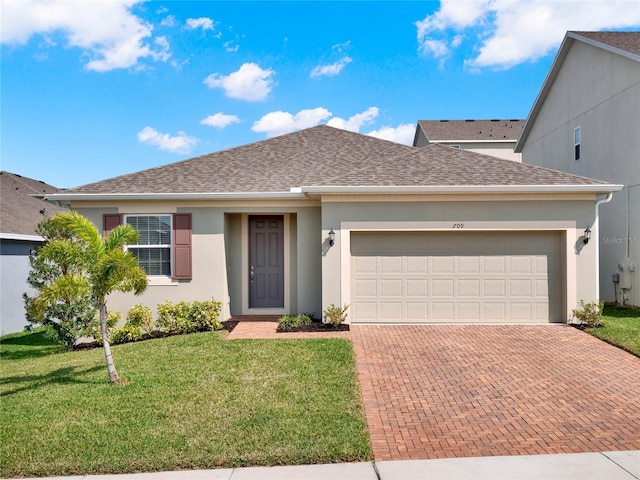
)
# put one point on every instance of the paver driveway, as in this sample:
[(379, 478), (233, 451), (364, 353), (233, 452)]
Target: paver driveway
[(464, 391)]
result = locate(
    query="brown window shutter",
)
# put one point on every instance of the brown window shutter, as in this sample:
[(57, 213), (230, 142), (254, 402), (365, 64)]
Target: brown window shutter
[(110, 221), (182, 246)]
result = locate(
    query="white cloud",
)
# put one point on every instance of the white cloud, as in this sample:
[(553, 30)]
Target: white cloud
[(355, 122), (511, 32), (330, 70), (230, 47), (250, 82), (168, 21), (220, 120), (401, 134), (203, 22), (278, 123), (107, 30), (180, 144)]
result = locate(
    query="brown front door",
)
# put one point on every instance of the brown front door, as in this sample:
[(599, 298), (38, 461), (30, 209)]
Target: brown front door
[(266, 261)]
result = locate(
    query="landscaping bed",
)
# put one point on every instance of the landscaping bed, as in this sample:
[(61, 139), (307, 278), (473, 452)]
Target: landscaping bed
[(314, 327)]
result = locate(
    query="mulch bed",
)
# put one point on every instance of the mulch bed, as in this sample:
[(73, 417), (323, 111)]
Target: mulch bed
[(229, 325), (314, 327)]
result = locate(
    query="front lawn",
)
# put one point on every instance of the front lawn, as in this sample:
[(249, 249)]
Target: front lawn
[(621, 327), (194, 401)]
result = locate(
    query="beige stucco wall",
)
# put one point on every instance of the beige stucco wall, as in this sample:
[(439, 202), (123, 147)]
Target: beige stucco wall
[(218, 248), (600, 92), (555, 213)]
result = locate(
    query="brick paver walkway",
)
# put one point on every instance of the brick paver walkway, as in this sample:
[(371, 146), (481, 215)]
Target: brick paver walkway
[(466, 391), (265, 327)]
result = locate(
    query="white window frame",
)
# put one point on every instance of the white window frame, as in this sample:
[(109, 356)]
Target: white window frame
[(577, 143), (170, 275)]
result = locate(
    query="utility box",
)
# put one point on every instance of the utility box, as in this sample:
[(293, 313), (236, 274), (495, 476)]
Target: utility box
[(626, 273)]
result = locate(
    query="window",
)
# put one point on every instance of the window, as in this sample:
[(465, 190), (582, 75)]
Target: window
[(164, 246), (153, 249), (577, 140)]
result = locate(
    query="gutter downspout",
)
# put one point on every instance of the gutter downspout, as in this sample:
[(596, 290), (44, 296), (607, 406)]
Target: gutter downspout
[(596, 228)]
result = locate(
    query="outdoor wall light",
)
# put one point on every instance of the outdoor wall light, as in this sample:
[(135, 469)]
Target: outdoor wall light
[(587, 235), (332, 238)]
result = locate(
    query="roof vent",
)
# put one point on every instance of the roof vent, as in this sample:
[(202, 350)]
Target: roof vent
[(516, 120), (469, 120), (495, 120), (444, 120)]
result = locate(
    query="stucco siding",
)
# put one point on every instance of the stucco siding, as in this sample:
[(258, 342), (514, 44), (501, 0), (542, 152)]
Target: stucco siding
[(218, 250), (599, 92)]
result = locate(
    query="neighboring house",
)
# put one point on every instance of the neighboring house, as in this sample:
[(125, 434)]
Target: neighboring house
[(19, 215), (491, 137), (586, 121), (324, 216)]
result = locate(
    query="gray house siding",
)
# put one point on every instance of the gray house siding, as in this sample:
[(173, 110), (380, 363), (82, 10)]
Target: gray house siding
[(598, 91), (14, 255)]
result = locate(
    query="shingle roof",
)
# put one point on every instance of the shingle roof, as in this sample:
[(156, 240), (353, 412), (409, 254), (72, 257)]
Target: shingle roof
[(326, 156), (627, 41), (469, 130), (19, 212)]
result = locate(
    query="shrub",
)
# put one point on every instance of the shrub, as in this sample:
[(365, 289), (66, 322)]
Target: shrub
[(336, 315), (288, 321), (589, 314), (113, 319), (126, 333), (185, 317), (141, 316)]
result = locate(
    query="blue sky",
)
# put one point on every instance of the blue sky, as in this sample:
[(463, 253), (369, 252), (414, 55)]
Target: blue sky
[(96, 89)]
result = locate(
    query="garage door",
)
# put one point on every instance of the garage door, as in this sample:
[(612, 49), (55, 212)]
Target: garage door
[(457, 277)]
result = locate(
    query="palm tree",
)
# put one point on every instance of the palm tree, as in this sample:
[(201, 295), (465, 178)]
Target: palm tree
[(103, 266)]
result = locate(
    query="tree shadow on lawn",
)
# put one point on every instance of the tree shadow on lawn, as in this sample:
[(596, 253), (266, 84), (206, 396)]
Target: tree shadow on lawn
[(61, 376), (32, 345)]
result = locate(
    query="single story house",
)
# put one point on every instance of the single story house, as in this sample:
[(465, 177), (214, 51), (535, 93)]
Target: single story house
[(325, 216), (491, 137), (19, 215)]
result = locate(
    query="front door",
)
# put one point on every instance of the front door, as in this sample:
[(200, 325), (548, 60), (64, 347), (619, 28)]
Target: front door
[(266, 261)]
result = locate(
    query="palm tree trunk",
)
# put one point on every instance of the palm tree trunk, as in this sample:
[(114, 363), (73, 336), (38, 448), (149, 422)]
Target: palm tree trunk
[(111, 368)]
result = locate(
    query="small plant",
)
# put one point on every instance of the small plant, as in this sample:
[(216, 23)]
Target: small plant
[(125, 334), (188, 317), (113, 319), (588, 315), (289, 321), (335, 315), (141, 316)]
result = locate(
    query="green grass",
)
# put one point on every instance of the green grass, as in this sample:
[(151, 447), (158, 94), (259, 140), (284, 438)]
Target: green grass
[(194, 401), (621, 327)]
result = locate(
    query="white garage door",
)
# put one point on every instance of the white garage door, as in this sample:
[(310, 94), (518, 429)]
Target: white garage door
[(458, 277)]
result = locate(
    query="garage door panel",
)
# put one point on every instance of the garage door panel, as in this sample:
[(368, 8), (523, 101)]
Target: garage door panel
[(464, 277), (442, 287), (494, 288), (416, 287), (469, 288), (391, 288), (442, 264), (366, 287), (390, 264), (364, 265)]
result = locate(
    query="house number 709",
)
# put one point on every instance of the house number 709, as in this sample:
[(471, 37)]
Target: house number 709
[(458, 225)]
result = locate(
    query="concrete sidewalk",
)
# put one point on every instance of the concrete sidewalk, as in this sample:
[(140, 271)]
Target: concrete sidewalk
[(623, 465)]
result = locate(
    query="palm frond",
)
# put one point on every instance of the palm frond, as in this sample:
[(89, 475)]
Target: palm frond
[(119, 270), (121, 236), (82, 228)]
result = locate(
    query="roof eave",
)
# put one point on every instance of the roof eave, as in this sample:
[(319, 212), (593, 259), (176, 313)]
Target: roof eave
[(459, 189), (22, 237), (294, 194)]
